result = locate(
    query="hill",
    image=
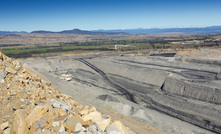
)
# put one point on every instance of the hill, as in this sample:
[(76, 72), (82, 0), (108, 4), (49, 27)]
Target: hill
[(212, 29), (7, 32), (76, 31)]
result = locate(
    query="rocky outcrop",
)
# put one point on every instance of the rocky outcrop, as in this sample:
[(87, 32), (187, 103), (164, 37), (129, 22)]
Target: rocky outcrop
[(191, 102), (192, 90), (28, 104)]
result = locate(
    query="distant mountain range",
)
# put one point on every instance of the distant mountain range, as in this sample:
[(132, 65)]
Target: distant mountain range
[(76, 31), (212, 29), (7, 32)]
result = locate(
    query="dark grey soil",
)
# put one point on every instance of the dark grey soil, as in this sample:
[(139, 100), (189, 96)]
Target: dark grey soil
[(188, 91)]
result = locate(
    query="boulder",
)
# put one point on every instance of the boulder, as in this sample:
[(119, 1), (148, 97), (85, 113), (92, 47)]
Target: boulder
[(36, 114), (102, 121), (71, 123), (121, 127), (78, 127), (4, 126), (19, 124), (60, 105), (10, 70)]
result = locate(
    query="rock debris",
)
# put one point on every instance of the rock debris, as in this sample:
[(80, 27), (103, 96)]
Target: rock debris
[(28, 104)]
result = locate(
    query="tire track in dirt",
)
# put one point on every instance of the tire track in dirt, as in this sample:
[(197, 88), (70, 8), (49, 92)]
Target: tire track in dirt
[(128, 95)]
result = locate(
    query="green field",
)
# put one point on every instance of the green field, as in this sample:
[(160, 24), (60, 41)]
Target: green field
[(71, 48), (21, 51), (86, 47), (25, 52)]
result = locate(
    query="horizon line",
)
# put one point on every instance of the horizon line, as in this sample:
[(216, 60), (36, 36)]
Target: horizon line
[(110, 29)]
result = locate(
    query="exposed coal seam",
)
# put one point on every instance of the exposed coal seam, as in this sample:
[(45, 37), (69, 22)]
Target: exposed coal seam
[(151, 85), (165, 66), (213, 62), (144, 89), (85, 71), (89, 83), (191, 118), (199, 77), (128, 95), (187, 117), (216, 90)]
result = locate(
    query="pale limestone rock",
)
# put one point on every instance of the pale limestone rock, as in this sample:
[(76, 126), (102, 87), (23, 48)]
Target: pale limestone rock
[(56, 104), (61, 129), (56, 123), (61, 105), (50, 118), (36, 114), (2, 81), (78, 127), (102, 121), (33, 72), (7, 131), (84, 112), (42, 123), (61, 118), (71, 123), (60, 133), (19, 125), (8, 59), (95, 129), (4, 125), (47, 132), (17, 67), (121, 127), (10, 70), (87, 110), (15, 63), (1, 131), (61, 112), (31, 105)]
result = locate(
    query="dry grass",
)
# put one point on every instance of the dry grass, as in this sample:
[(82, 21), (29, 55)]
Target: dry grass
[(32, 39)]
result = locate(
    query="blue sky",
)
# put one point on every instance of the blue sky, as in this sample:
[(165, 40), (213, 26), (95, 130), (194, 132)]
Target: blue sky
[(56, 15)]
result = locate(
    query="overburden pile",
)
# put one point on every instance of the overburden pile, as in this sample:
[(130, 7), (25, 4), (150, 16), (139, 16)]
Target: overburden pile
[(28, 104)]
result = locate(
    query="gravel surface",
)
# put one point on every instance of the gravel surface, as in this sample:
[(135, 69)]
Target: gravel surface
[(137, 87)]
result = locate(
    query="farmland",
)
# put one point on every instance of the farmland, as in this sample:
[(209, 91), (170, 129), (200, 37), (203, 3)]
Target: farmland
[(28, 45)]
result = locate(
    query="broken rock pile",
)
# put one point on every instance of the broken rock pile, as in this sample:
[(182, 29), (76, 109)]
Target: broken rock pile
[(28, 104)]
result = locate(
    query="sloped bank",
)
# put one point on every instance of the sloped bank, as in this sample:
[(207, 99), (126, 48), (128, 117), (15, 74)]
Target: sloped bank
[(28, 104), (192, 90)]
